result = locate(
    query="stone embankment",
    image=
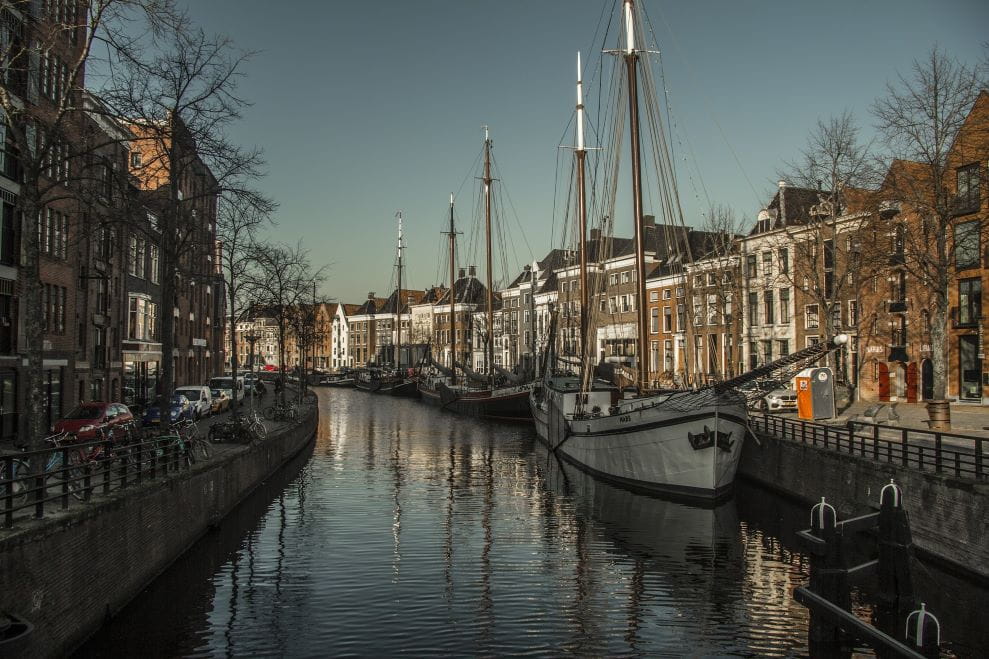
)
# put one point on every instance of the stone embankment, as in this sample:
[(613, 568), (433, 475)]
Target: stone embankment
[(70, 571), (947, 514)]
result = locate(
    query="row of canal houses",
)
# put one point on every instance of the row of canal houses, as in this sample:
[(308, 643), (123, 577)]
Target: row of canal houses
[(812, 264)]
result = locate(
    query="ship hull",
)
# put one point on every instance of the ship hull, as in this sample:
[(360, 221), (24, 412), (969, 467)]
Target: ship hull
[(500, 404), (646, 445)]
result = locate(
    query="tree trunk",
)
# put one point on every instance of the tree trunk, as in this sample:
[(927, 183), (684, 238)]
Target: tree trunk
[(31, 291), (233, 341)]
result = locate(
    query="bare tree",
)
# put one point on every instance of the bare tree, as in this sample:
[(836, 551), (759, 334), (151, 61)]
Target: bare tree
[(721, 261), (920, 117), (237, 223), (44, 52), (281, 284), (828, 250), (179, 98)]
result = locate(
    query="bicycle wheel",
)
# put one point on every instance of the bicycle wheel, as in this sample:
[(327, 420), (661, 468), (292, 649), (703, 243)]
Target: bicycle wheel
[(19, 489), (76, 474), (260, 431)]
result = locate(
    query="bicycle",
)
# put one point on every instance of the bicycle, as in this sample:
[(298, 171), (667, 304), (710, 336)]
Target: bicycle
[(281, 413), (238, 427), (199, 447)]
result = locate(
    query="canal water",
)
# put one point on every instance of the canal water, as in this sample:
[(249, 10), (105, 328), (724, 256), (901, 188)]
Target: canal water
[(404, 530)]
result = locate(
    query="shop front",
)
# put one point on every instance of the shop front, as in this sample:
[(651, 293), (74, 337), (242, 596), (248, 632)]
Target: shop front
[(142, 363)]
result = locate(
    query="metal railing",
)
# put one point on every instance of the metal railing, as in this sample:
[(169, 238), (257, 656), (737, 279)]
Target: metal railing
[(76, 470), (931, 451)]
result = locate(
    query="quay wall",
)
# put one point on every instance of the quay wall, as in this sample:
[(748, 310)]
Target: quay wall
[(947, 515), (68, 573)]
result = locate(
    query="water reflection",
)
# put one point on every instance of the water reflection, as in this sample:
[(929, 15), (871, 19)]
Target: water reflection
[(422, 533)]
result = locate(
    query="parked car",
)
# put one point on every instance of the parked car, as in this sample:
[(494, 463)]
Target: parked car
[(179, 408), (770, 395), (221, 402), (200, 397), (86, 420)]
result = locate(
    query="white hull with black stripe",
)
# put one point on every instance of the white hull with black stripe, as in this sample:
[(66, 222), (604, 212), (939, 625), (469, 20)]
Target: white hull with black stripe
[(658, 444)]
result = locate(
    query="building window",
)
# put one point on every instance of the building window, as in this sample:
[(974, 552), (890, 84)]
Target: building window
[(667, 294), (679, 291), (769, 307), (654, 321), (785, 306), (767, 352), (967, 200), (750, 266), (7, 234), (654, 296), (969, 301), (967, 245), (767, 264), (853, 313), (667, 320), (681, 317), (811, 317), (753, 308), (784, 347)]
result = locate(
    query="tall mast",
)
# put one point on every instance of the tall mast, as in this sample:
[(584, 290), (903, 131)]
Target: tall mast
[(398, 301), (581, 153), (452, 233), (631, 64), (489, 347)]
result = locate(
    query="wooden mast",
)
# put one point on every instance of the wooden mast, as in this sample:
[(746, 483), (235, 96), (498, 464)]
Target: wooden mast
[(631, 63), (398, 301), (489, 344), (581, 153), (453, 295)]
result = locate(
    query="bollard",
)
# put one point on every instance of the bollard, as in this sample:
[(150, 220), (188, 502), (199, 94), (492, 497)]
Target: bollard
[(895, 598), (827, 577), (923, 631)]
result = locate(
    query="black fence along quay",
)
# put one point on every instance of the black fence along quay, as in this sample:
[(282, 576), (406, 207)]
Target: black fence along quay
[(950, 454)]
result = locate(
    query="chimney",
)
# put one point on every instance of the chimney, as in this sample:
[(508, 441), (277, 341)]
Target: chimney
[(461, 275), (595, 235), (472, 270), (649, 220), (782, 186), (370, 295)]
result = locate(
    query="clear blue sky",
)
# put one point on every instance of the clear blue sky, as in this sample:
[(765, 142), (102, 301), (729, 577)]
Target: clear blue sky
[(364, 108)]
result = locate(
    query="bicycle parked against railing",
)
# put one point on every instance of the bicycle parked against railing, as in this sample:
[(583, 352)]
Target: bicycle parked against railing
[(199, 448), (278, 412), (240, 427), (64, 464)]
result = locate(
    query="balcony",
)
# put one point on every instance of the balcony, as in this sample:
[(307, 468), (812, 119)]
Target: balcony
[(965, 317), (965, 205), (898, 354), (896, 306)]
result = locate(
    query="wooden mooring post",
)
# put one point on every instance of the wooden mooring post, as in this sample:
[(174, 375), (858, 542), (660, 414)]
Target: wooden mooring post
[(900, 629)]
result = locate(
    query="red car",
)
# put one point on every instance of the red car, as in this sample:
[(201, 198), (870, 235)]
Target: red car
[(88, 418)]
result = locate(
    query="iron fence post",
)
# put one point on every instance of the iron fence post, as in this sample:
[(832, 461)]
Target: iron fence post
[(904, 447), (8, 491), (978, 457), (937, 453)]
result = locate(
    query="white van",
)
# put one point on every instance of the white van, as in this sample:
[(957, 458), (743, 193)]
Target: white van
[(227, 385), (200, 397)]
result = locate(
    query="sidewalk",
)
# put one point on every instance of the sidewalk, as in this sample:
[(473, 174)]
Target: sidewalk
[(966, 419)]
